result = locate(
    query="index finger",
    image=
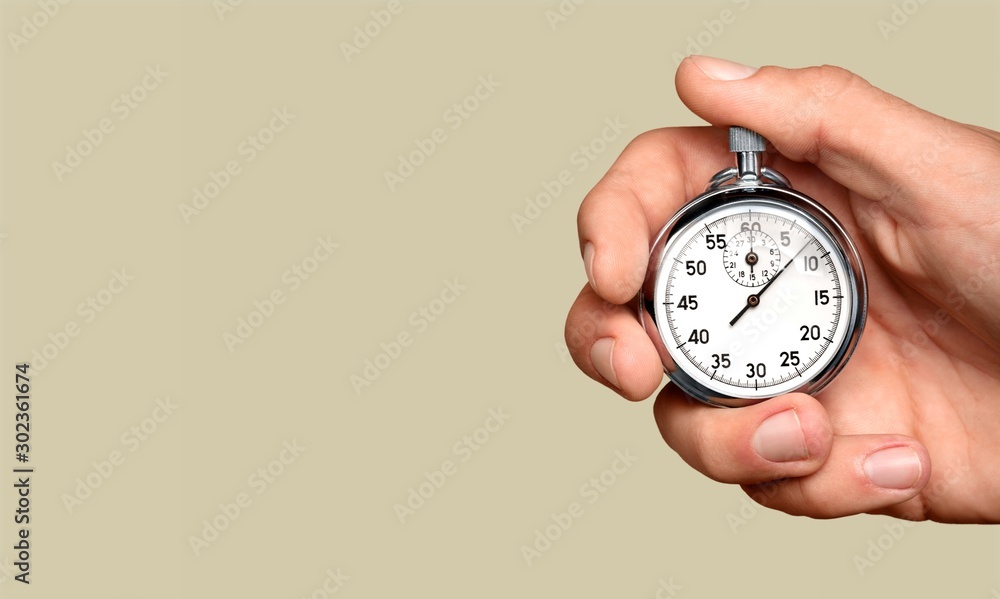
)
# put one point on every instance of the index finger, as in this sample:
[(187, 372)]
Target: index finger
[(655, 175)]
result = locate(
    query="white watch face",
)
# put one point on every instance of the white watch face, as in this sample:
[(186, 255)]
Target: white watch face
[(754, 298)]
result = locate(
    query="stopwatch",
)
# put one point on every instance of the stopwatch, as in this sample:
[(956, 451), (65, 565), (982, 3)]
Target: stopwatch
[(753, 289)]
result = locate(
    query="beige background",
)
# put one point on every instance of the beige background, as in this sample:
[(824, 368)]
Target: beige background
[(497, 346)]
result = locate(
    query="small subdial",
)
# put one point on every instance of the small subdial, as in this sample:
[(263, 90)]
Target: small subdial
[(751, 258)]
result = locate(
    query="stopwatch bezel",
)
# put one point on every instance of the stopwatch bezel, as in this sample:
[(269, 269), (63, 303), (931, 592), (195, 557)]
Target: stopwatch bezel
[(786, 198)]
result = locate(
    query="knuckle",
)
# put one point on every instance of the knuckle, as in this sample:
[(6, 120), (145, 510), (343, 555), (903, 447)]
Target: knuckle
[(618, 178), (829, 80), (645, 142), (645, 151), (811, 124)]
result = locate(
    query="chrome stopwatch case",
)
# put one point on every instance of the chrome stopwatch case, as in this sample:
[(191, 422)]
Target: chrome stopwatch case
[(753, 289)]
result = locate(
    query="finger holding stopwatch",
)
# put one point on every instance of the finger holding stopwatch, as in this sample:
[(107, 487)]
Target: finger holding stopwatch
[(789, 436), (609, 345), (648, 182), (863, 474), (785, 454)]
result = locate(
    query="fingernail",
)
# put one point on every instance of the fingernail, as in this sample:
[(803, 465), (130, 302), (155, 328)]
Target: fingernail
[(601, 355), (722, 70), (894, 468), (780, 438), (588, 263)]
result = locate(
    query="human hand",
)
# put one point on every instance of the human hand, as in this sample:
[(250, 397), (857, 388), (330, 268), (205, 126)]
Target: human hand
[(920, 195)]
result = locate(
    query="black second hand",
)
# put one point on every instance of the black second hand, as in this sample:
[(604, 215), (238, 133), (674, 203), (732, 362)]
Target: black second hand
[(764, 288)]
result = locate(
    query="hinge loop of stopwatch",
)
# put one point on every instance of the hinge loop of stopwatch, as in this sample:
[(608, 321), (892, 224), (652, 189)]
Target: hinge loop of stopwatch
[(749, 172)]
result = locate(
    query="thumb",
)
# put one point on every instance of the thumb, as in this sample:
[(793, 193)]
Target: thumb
[(867, 140)]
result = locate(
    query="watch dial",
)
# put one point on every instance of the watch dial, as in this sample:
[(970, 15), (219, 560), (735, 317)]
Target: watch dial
[(754, 298)]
